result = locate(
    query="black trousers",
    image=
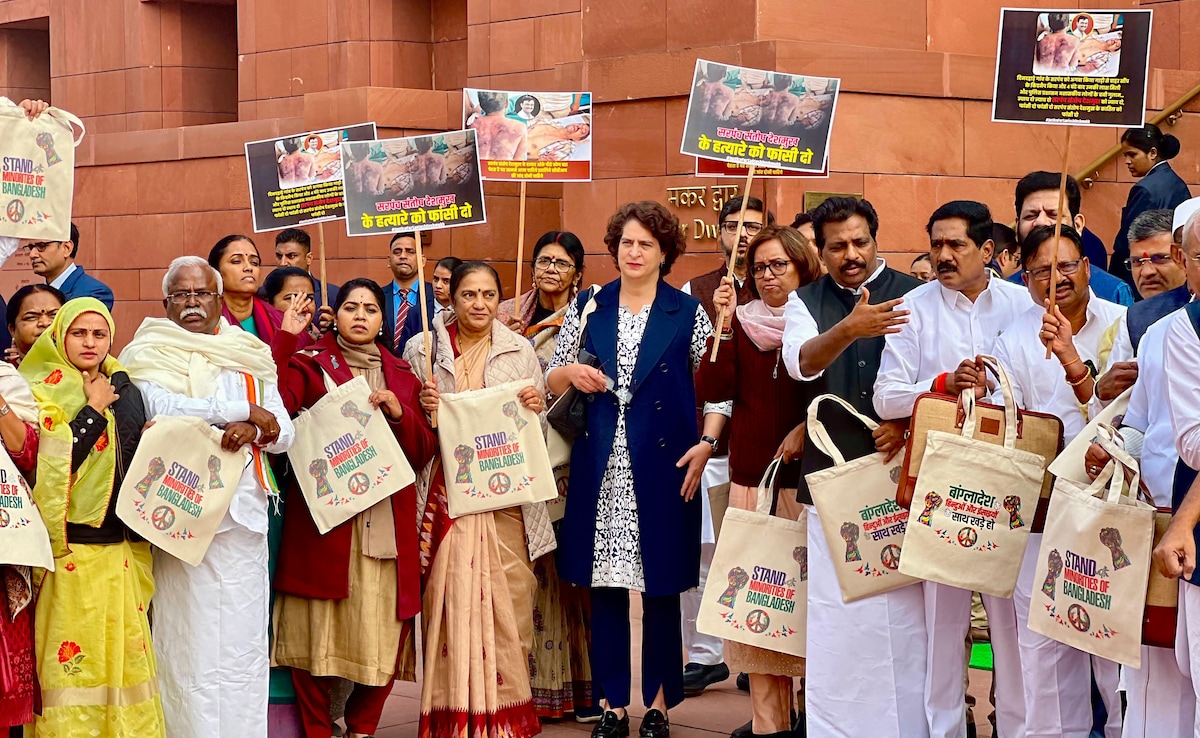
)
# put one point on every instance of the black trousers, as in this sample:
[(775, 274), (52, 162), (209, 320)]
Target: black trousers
[(662, 647)]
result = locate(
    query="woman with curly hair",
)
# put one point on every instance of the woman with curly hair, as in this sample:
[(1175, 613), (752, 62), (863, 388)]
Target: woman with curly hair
[(632, 518)]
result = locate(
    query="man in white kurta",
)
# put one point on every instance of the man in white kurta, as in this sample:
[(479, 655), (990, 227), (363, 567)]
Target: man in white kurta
[(1057, 678), (210, 621), (951, 322)]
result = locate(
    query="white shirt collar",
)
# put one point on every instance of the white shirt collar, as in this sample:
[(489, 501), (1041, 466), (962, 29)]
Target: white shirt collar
[(956, 300), (880, 265), (62, 276)]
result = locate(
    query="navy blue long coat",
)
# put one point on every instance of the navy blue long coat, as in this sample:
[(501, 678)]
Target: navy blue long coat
[(661, 426)]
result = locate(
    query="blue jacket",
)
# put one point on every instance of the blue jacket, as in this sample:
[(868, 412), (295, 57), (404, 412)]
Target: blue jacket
[(1160, 188), (79, 284), (1105, 285), (412, 324), (661, 425)]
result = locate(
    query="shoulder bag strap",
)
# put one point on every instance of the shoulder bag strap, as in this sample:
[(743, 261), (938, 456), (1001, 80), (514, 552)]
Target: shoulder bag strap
[(820, 434)]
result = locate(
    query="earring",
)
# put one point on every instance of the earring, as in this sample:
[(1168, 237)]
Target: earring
[(662, 264)]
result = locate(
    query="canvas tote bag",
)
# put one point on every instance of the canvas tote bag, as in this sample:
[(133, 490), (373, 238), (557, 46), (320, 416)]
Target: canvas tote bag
[(38, 177), (757, 588), (1094, 563), (974, 502), (493, 450), (345, 456), (24, 540), (179, 486), (859, 515)]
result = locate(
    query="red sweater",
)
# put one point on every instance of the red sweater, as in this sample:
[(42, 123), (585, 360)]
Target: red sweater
[(767, 405), (316, 566)]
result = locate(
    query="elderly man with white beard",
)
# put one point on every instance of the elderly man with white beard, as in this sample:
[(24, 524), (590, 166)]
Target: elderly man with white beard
[(210, 621)]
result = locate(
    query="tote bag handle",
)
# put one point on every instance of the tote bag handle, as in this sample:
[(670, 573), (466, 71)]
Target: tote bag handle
[(69, 120), (766, 488), (1106, 437), (820, 434), (1010, 407)]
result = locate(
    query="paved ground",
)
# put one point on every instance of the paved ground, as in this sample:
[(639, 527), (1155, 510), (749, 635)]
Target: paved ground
[(713, 714)]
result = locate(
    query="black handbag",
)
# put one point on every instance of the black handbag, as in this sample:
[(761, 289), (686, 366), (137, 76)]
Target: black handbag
[(568, 414)]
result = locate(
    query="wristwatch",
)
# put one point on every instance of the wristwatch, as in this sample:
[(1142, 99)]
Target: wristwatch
[(710, 441), (4, 410)]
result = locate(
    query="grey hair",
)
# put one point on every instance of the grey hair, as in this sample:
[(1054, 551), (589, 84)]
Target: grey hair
[(1150, 224), (183, 262), (1191, 233)]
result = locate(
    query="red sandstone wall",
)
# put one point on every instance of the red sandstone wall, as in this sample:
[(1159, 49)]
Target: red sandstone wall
[(159, 176)]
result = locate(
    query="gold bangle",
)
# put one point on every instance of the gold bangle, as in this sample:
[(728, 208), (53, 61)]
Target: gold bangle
[(1086, 376), (1072, 361)]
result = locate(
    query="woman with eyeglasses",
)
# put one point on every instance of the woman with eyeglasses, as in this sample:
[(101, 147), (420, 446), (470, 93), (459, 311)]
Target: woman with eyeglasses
[(559, 669), (768, 412), (30, 312)]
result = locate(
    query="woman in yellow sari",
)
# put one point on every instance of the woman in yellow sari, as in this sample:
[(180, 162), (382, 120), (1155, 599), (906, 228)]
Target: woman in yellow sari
[(477, 571), (94, 654)]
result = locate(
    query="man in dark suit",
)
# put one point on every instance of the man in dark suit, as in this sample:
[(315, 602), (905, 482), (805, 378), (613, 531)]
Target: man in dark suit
[(293, 247), (54, 261), (401, 309)]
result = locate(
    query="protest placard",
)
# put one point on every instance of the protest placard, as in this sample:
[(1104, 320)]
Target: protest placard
[(714, 168), (1073, 67), (297, 179), (531, 136), (753, 116), (412, 184)]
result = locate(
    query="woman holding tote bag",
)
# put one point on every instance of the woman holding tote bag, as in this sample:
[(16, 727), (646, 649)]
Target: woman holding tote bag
[(18, 432), (768, 412), (559, 672), (95, 655), (632, 519), (476, 649), (346, 600)]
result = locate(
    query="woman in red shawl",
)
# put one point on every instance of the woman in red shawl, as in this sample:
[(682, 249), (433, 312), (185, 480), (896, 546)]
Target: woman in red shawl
[(347, 599)]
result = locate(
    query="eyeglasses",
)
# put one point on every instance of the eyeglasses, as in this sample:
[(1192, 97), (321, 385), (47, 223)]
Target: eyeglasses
[(1141, 261), (546, 264), (778, 267), (730, 226), (39, 247), (181, 298), (1065, 268)]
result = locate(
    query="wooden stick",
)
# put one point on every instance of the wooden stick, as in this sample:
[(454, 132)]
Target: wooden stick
[(425, 334), (520, 247), (733, 258), (1058, 221), (321, 261)]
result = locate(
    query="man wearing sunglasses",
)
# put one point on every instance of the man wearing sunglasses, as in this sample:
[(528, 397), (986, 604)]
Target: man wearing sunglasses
[(54, 261), (706, 654)]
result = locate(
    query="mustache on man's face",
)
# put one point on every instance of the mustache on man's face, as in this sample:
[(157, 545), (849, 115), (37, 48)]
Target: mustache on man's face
[(853, 264), (189, 312), (946, 267)]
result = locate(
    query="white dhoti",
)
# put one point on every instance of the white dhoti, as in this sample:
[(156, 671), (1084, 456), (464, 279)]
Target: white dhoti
[(1187, 644), (866, 659), (704, 649), (210, 636), (1057, 677), (1160, 702), (948, 618)]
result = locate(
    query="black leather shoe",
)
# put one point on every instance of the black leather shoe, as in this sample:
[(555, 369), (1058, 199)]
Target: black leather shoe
[(697, 678), (611, 726), (655, 725), (744, 731), (743, 682)]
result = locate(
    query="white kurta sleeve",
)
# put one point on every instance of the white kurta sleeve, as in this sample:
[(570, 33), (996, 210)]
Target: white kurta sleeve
[(800, 328), (213, 410), (1181, 360), (899, 383), (273, 403)]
